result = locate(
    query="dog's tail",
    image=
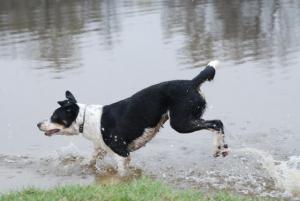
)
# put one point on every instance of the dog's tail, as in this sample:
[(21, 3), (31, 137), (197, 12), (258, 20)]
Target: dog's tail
[(207, 74)]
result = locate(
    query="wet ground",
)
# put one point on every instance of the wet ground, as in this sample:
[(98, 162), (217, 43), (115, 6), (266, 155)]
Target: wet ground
[(104, 51)]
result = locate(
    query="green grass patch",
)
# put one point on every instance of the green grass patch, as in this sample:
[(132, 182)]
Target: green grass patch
[(143, 189)]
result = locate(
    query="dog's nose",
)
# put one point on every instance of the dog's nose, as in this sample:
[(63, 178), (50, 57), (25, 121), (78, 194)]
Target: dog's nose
[(39, 124)]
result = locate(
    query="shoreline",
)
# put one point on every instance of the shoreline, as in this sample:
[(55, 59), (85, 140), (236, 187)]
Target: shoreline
[(143, 188)]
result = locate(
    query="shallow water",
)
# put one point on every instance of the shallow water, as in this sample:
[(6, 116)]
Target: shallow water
[(104, 51)]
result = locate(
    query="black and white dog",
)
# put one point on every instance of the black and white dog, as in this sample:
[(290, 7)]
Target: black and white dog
[(129, 124)]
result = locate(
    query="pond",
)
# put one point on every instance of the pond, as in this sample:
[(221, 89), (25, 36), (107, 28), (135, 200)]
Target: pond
[(104, 51)]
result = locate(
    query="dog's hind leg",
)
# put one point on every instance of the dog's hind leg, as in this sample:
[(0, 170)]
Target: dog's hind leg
[(220, 148), (189, 125)]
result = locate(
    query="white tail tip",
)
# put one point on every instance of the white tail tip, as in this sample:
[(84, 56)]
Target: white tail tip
[(213, 63)]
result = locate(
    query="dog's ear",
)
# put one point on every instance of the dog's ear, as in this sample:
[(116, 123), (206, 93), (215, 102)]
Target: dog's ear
[(70, 97), (62, 103)]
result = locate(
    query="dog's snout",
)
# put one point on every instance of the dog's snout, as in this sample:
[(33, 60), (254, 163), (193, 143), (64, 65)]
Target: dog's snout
[(39, 124)]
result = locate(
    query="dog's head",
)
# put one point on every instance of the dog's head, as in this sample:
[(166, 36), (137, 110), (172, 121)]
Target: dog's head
[(62, 121)]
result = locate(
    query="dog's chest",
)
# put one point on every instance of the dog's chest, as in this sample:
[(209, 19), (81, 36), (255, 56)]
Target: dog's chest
[(92, 125), (148, 134)]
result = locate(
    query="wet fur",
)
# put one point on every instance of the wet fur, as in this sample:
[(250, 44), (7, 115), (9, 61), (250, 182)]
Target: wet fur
[(128, 120), (127, 125)]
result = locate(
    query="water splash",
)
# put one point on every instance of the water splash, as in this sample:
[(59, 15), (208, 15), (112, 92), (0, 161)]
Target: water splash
[(286, 174), (69, 150)]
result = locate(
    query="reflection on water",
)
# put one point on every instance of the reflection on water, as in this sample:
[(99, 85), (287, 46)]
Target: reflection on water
[(51, 31), (55, 32), (235, 30)]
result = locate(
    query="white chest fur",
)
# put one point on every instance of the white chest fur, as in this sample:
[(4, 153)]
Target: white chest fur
[(92, 121)]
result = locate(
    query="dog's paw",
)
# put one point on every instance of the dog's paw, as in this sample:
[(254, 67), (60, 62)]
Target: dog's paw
[(225, 150), (217, 151), (221, 150)]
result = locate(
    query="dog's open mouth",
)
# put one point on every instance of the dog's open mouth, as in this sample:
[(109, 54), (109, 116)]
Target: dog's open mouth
[(51, 132)]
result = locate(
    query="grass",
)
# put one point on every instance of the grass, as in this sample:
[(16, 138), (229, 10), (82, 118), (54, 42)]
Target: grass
[(143, 189)]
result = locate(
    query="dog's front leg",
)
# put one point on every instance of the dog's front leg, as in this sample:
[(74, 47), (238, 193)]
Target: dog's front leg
[(122, 164), (98, 153)]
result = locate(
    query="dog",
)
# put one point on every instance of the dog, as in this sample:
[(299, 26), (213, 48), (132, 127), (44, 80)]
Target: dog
[(127, 125)]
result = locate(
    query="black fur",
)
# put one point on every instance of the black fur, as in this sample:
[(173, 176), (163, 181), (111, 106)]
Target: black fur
[(67, 113), (124, 121)]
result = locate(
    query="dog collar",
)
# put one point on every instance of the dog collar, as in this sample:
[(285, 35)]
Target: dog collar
[(81, 126)]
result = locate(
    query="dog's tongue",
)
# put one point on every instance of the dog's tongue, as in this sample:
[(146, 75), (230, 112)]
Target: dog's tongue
[(51, 132)]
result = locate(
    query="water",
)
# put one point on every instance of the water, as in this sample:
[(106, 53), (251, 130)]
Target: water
[(104, 51), (286, 174)]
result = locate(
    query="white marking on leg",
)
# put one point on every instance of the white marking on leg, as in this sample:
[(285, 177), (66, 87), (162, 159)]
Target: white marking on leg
[(122, 164), (220, 148), (218, 143)]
